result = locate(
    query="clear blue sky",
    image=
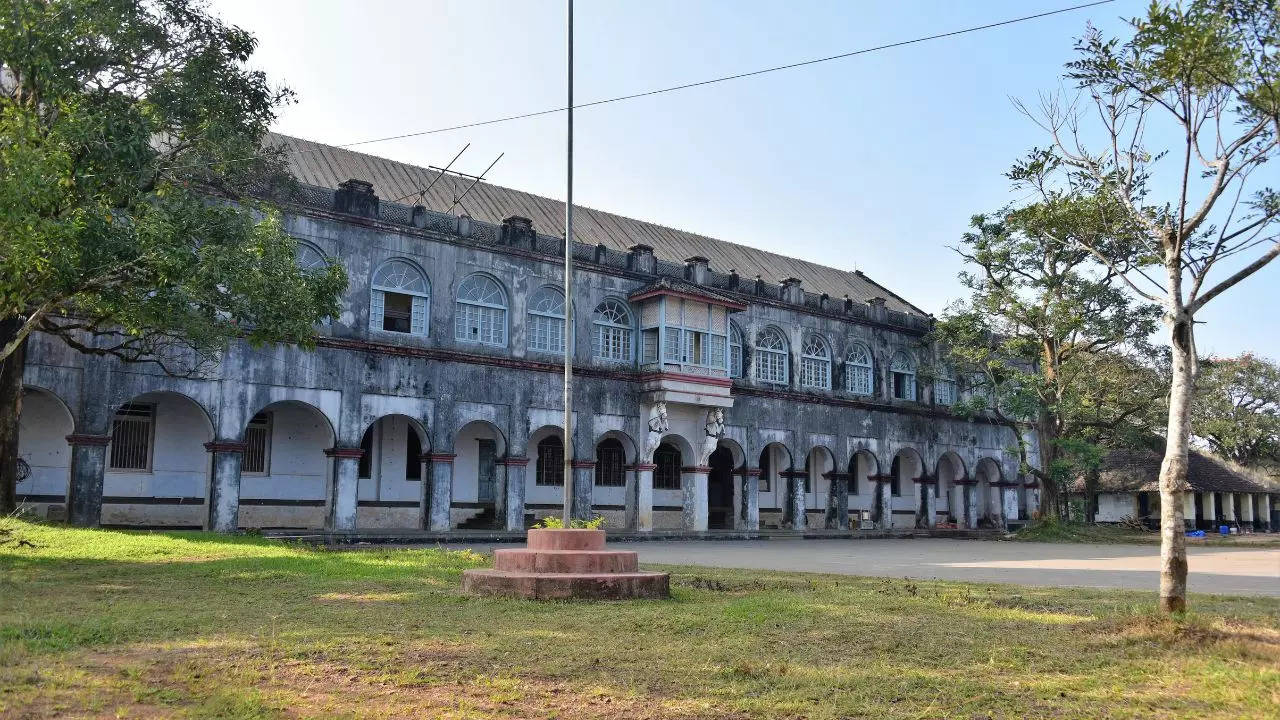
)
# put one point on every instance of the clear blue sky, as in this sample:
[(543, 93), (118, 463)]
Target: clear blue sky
[(875, 162)]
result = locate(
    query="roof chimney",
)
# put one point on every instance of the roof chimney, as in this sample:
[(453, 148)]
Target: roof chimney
[(517, 231), (640, 258), (356, 197), (792, 292), (695, 269)]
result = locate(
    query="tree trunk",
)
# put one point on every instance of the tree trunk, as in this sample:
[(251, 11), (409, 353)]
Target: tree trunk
[(10, 409), (1173, 470), (1051, 504)]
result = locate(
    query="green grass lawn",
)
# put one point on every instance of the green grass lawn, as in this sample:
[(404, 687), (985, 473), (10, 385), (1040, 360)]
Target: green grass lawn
[(170, 624)]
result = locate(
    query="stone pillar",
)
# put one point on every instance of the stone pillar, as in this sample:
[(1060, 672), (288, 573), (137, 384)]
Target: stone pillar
[(1246, 509), (693, 483), (640, 497), (883, 510), (343, 487), (1009, 502), (513, 517), (795, 510), (926, 503), (1189, 510), (84, 493), (1210, 507), (751, 500), (838, 501), (968, 515), (224, 486), (1266, 513), (1229, 507), (439, 517), (584, 480), (1033, 498)]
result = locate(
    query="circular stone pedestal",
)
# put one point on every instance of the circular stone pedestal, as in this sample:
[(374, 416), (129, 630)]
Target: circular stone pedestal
[(560, 564)]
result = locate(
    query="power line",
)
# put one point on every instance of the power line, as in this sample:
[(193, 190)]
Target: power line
[(673, 88)]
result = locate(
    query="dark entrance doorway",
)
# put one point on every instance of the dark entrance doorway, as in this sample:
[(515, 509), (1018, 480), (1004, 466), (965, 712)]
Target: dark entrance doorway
[(720, 490), (487, 451)]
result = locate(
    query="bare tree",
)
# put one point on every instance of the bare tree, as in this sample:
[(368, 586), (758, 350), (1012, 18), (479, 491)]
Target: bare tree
[(1188, 108)]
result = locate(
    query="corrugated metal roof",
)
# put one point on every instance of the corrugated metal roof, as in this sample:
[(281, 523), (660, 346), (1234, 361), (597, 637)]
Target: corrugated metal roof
[(324, 165)]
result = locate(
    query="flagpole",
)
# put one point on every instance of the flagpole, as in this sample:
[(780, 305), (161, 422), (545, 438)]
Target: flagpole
[(567, 476)]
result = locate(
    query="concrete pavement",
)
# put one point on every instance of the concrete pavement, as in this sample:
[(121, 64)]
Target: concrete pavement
[(1228, 571)]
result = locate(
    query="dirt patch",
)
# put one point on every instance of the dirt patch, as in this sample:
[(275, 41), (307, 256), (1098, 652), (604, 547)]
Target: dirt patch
[(240, 681), (1247, 640)]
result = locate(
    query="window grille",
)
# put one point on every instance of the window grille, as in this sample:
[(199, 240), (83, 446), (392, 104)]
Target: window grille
[(815, 364), (771, 357), (546, 321), (257, 446), (944, 388), (610, 464), (399, 299), (667, 475), (612, 326), (859, 377), (481, 312), (132, 435), (649, 339), (550, 468), (309, 257)]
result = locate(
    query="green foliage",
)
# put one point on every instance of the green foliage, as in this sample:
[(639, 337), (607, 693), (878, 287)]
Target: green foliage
[(1237, 409), (555, 522), (1047, 335), (128, 136)]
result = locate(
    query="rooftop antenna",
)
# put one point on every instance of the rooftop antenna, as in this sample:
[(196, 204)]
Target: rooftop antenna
[(567, 469), (475, 180), (440, 172)]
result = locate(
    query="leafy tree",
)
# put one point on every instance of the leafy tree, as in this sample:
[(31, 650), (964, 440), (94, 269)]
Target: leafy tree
[(1181, 118), (1048, 337), (1237, 409), (130, 133)]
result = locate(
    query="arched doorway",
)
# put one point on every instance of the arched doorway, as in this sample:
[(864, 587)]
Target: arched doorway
[(949, 492), (775, 466), (615, 452), (863, 508), (284, 473), (43, 453), (544, 480), (157, 468), (988, 502), (477, 477), (720, 508), (907, 498)]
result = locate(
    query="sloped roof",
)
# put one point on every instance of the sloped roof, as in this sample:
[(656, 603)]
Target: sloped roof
[(667, 284), (324, 165), (1139, 471)]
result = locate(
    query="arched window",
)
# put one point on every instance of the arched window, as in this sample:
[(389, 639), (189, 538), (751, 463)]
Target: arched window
[(903, 374), (859, 370), (815, 363), (611, 462), (546, 320), (771, 357), (735, 351), (550, 468), (944, 387), (481, 312), (400, 299), (611, 331), (667, 475), (309, 257)]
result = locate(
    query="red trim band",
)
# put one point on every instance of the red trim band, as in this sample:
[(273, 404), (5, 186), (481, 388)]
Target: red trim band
[(583, 464), (345, 452), (441, 457), (85, 439), (657, 292), (645, 466), (226, 446), (515, 461), (704, 469), (685, 377)]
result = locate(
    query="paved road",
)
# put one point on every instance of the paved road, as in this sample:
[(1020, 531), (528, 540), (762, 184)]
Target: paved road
[(1230, 571)]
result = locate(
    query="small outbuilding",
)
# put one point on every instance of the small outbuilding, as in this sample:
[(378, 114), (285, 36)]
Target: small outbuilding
[(1128, 488)]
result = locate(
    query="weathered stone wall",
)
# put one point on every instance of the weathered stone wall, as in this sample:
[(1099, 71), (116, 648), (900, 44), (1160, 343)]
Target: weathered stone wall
[(323, 401)]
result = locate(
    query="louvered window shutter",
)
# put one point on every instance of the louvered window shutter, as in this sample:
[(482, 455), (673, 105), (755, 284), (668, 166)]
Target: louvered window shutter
[(418, 316), (376, 303)]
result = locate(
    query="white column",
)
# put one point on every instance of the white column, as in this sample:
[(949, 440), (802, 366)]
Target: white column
[(1229, 507), (640, 498), (693, 481), (1189, 509), (1210, 508), (1246, 508)]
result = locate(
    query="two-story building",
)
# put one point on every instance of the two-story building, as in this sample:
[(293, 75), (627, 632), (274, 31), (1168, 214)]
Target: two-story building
[(718, 386)]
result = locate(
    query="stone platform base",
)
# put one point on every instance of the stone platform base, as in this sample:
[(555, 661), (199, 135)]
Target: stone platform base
[(564, 564)]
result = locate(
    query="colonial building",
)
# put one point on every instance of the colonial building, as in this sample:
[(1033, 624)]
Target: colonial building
[(718, 386)]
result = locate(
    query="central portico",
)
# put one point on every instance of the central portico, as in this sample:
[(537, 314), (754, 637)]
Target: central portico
[(685, 388)]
